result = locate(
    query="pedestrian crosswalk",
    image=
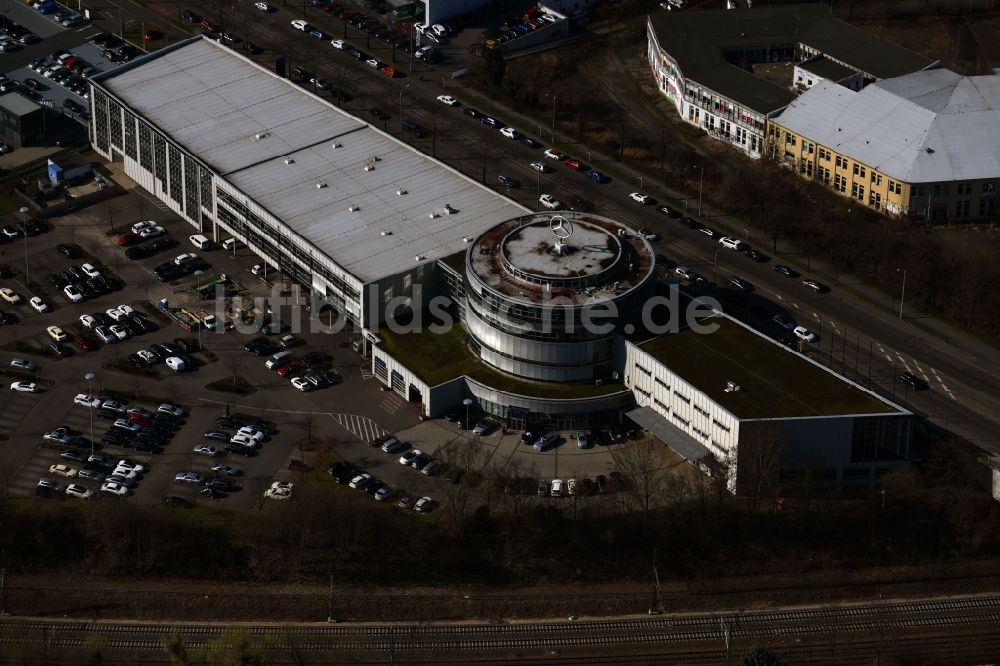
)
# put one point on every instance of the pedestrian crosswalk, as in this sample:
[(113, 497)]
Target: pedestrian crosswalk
[(362, 427)]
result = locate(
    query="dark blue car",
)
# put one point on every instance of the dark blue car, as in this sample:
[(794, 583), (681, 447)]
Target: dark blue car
[(597, 176)]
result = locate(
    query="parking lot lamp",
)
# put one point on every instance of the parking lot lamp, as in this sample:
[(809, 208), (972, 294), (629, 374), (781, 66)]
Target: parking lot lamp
[(467, 402), (90, 396), (27, 274)]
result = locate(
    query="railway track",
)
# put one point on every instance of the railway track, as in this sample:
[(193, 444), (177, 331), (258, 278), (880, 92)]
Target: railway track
[(789, 625)]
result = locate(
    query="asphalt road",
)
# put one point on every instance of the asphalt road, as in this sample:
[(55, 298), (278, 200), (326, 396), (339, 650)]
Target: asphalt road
[(859, 337)]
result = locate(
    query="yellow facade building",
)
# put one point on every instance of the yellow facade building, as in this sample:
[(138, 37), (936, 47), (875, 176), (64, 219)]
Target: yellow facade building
[(926, 144)]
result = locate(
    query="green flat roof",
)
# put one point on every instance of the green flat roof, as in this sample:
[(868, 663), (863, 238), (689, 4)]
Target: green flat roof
[(775, 383), (437, 358)]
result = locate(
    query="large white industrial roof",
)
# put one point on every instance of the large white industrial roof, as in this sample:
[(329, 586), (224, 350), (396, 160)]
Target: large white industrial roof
[(245, 122), (925, 127)]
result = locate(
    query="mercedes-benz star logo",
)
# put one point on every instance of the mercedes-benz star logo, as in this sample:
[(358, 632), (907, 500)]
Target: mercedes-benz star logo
[(561, 227)]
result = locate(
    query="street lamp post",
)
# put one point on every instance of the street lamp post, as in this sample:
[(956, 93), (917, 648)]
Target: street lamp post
[(401, 107), (902, 296), (467, 402), (27, 273), (90, 396), (553, 119), (701, 187), (715, 265)]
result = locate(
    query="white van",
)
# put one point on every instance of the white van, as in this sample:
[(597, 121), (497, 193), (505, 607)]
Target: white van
[(232, 244), (277, 359), (200, 242), (732, 243)]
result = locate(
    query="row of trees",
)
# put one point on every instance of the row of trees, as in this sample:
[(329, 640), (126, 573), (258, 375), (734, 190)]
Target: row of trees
[(484, 534)]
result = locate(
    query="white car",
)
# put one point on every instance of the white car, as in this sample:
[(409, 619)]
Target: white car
[(804, 334), (264, 7), (170, 410), (199, 241), (90, 271), (302, 384), (255, 435), (72, 293), (126, 473), (62, 470), (76, 490), (10, 295), (139, 226), (541, 167), (243, 440), (299, 24), (358, 480), (639, 197), (85, 400), (131, 466), (439, 30), (557, 488), (423, 505), (148, 357), (510, 132), (447, 100), (373, 63), (25, 387), (176, 363), (206, 450), (554, 154), (114, 488), (38, 304), (279, 493), (409, 457), (685, 272), (152, 232), (549, 202), (339, 44), (119, 331), (126, 310), (185, 258), (22, 364), (114, 313), (57, 334), (88, 321)]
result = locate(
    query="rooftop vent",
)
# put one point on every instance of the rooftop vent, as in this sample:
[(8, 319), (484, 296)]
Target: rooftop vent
[(466, 239), (733, 387), (352, 208), (261, 135), (335, 145), (369, 167), (448, 210), (386, 233), (289, 160), (930, 151), (400, 191), (434, 215), (320, 186), (419, 257)]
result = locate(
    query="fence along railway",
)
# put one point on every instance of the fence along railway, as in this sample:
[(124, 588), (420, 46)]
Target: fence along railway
[(852, 626)]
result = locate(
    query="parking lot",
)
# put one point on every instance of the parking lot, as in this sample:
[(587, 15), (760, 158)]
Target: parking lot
[(36, 71), (345, 417)]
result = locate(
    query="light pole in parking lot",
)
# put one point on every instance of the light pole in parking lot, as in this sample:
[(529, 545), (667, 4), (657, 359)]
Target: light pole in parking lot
[(27, 274), (401, 107), (701, 185), (90, 397), (467, 402)]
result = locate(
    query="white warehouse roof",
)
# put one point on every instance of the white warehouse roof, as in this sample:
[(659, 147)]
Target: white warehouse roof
[(925, 127), (245, 122)]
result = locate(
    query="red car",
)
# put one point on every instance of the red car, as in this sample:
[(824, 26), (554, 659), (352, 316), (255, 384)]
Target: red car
[(83, 343), (576, 165), (140, 419), (289, 367), (129, 239)]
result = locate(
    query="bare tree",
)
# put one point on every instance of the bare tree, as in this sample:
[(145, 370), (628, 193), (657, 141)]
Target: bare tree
[(646, 471), (758, 458), (464, 460), (236, 365)]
